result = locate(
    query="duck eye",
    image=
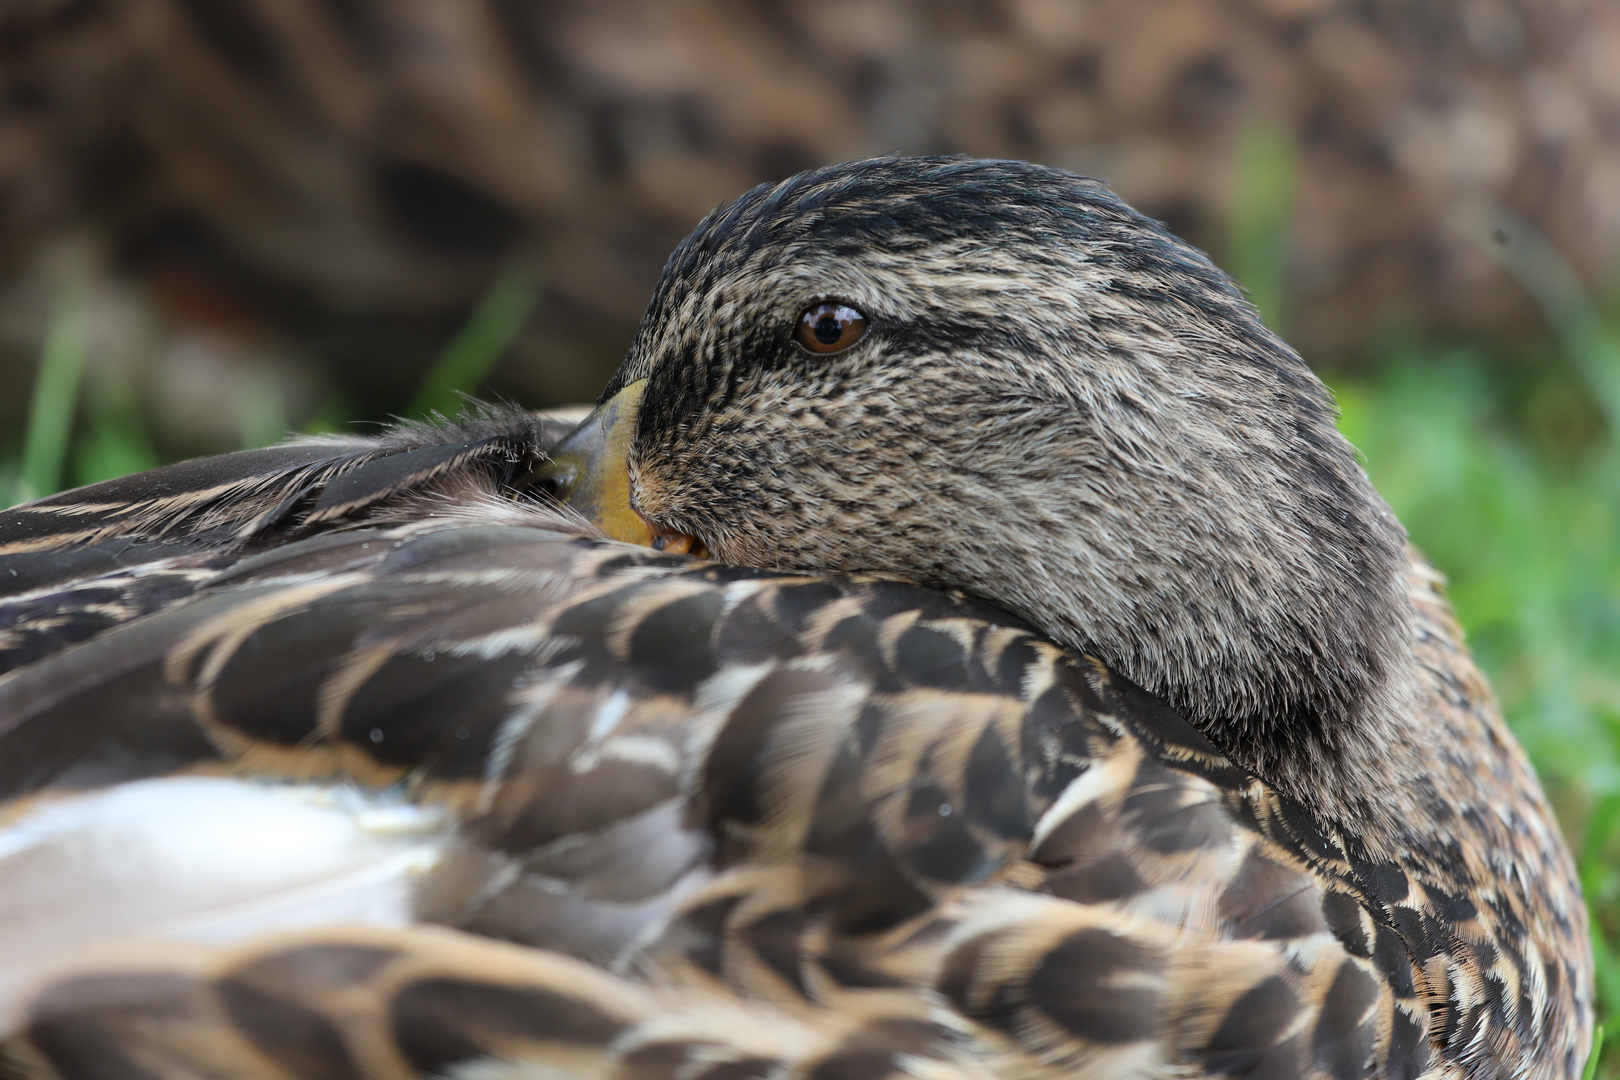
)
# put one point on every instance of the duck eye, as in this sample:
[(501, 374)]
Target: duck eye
[(830, 328)]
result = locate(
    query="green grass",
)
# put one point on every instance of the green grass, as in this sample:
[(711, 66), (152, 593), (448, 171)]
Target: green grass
[(1258, 236), (51, 409), (78, 435), (467, 361)]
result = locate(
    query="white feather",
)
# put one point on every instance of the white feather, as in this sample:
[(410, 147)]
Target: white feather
[(201, 859)]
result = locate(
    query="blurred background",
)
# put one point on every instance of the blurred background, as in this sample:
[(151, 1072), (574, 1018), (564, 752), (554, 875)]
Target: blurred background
[(221, 220)]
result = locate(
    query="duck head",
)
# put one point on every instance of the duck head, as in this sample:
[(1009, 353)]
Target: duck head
[(996, 377)]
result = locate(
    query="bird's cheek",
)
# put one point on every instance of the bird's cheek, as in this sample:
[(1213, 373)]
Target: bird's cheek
[(658, 502)]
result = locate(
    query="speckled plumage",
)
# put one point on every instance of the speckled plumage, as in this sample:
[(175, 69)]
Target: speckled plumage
[(787, 821)]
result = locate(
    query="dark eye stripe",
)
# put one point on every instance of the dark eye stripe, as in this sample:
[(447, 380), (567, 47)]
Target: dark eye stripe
[(830, 328)]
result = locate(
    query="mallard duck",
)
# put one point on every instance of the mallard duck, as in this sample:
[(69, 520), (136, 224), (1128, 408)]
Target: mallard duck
[(959, 644)]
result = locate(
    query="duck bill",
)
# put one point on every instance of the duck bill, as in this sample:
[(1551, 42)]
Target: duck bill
[(589, 472)]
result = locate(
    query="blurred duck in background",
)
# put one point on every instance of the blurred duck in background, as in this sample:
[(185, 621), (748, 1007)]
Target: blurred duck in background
[(287, 200)]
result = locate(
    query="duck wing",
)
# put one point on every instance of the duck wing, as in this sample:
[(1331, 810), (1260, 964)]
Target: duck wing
[(74, 564), (751, 818), (268, 715)]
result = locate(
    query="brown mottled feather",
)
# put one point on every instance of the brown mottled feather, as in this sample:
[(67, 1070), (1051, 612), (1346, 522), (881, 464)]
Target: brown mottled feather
[(1106, 887)]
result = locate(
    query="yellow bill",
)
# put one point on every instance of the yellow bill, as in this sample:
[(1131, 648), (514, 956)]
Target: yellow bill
[(589, 473)]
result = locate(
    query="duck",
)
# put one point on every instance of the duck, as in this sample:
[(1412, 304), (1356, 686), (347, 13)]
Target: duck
[(958, 643), (326, 193)]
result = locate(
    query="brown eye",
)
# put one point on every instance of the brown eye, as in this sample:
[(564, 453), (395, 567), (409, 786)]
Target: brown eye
[(830, 328)]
